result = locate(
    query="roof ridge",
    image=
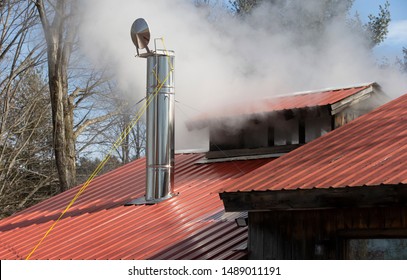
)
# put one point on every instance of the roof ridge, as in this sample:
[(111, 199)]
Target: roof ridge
[(323, 90)]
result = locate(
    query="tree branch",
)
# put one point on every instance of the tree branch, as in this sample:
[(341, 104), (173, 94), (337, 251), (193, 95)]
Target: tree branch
[(89, 122)]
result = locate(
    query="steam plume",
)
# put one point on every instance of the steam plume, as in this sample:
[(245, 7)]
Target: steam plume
[(222, 59)]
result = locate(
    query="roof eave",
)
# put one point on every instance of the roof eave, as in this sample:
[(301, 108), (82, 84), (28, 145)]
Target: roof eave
[(316, 198)]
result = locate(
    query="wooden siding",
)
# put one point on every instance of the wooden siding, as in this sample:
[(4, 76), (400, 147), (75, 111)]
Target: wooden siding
[(295, 234)]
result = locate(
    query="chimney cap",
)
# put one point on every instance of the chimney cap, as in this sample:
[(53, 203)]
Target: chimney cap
[(140, 34)]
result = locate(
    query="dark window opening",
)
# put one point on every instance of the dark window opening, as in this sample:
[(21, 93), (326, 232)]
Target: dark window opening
[(273, 133)]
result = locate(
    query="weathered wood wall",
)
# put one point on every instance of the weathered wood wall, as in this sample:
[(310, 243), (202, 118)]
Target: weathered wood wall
[(295, 234)]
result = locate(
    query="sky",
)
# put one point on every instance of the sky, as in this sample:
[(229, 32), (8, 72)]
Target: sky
[(397, 36)]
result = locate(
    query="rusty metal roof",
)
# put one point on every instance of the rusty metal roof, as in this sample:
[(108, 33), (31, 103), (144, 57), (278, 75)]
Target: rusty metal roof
[(369, 151), (288, 102), (191, 225)]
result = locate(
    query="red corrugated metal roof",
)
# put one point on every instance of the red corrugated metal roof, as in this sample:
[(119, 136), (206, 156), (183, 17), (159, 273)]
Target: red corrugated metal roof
[(370, 151), (98, 226), (293, 101)]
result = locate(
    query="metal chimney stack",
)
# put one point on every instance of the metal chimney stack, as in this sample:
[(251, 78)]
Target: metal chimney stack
[(160, 127), (160, 118)]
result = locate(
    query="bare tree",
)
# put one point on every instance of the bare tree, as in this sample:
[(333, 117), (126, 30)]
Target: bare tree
[(402, 62), (243, 6), (15, 56), (59, 20), (60, 30), (41, 122), (103, 135), (133, 146), (25, 169), (26, 159)]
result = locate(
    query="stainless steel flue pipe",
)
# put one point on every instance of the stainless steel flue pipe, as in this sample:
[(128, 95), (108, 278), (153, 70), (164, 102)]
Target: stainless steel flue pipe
[(160, 117), (160, 126)]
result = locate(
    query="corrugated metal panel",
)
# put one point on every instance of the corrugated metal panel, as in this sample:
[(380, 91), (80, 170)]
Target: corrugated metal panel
[(313, 99), (98, 226), (370, 151), (294, 101)]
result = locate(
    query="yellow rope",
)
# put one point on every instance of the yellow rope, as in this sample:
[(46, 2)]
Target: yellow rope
[(124, 134)]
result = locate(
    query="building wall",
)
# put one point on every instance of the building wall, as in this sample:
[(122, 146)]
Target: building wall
[(321, 234)]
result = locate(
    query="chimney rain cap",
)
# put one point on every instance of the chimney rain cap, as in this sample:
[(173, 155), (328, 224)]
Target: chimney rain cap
[(140, 34)]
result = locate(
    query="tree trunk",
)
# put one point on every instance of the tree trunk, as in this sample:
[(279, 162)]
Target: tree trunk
[(126, 142), (62, 121), (138, 140), (60, 34)]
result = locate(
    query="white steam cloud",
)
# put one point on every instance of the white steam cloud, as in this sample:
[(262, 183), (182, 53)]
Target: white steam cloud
[(221, 59)]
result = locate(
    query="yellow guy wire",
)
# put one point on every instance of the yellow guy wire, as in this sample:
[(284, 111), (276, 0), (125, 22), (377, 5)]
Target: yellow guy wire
[(109, 154)]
